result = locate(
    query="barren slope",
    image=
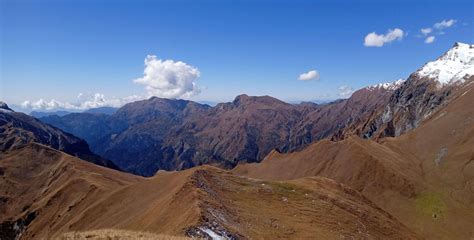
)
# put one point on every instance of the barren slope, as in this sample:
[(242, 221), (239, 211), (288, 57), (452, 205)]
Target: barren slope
[(424, 178), (51, 188), (48, 193)]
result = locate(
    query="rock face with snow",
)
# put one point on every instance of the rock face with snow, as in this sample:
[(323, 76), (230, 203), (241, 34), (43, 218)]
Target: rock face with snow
[(455, 66), (391, 86), (419, 96)]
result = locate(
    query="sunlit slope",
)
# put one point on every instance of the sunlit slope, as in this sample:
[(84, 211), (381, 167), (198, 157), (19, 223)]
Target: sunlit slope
[(424, 178), (48, 193)]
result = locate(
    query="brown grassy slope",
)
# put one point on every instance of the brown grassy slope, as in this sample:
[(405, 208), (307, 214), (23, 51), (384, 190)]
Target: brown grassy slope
[(108, 234), (365, 165), (424, 178), (67, 195), (248, 208), (38, 180), (444, 150)]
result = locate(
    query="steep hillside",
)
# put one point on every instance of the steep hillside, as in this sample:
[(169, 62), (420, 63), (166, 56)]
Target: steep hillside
[(44, 190), (424, 178), (424, 92), (92, 127), (47, 193), (18, 129)]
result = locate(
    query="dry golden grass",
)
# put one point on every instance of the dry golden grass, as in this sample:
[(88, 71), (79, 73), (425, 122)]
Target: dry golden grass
[(115, 234)]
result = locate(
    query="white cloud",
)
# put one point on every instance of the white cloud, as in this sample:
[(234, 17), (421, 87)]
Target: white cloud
[(169, 79), (430, 39), (345, 91), (378, 40), (444, 24), (310, 75), (426, 31), (437, 29), (85, 102)]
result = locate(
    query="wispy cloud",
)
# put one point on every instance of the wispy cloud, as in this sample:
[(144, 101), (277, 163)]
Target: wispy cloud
[(310, 75), (168, 78), (426, 31), (345, 91), (430, 39), (378, 40), (445, 24), (437, 29)]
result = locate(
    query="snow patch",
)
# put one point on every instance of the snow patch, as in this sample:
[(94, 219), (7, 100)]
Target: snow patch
[(213, 234), (454, 66)]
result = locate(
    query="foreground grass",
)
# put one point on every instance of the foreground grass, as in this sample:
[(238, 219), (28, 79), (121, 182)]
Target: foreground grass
[(115, 234)]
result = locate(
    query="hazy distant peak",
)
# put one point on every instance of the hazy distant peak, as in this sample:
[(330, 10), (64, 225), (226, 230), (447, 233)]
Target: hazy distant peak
[(244, 99), (4, 107), (241, 98), (452, 67)]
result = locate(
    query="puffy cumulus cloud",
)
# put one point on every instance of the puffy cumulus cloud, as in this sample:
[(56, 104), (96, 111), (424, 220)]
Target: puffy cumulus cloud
[(430, 39), (84, 102), (310, 75), (444, 24), (378, 40), (345, 91), (426, 31), (169, 79)]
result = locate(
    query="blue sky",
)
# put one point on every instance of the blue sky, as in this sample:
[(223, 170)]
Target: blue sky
[(59, 49)]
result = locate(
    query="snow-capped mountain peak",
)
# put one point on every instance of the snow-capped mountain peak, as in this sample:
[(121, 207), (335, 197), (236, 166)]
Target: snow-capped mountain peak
[(387, 86), (451, 67)]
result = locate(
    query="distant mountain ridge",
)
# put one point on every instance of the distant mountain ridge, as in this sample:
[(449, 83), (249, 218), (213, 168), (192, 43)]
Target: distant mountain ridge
[(17, 130), (153, 134), (40, 114), (61, 113)]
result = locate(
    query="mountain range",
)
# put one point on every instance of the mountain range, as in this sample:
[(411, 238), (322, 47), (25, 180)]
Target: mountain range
[(60, 113), (393, 161), (145, 136)]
